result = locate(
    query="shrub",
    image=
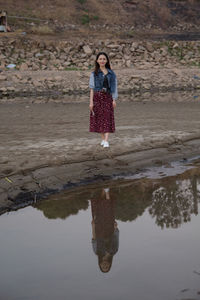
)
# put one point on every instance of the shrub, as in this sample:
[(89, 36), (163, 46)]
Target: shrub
[(81, 1), (85, 19)]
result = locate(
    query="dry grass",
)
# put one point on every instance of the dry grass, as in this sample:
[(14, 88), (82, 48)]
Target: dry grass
[(43, 29), (105, 11)]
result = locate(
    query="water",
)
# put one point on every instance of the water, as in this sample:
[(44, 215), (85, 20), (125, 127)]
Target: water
[(145, 231)]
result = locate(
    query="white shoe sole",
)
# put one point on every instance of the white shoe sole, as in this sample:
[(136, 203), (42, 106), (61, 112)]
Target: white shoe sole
[(106, 145)]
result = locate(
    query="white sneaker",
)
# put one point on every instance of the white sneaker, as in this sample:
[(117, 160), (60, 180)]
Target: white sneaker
[(102, 143), (106, 144)]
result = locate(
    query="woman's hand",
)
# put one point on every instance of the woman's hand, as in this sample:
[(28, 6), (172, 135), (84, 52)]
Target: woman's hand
[(114, 103), (91, 106)]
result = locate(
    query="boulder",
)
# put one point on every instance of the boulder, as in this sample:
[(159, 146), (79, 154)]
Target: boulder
[(87, 50), (3, 78), (23, 67)]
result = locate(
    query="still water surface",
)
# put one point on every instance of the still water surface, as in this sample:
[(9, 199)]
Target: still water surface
[(136, 239)]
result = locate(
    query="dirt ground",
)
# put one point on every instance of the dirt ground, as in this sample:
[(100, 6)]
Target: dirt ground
[(47, 146)]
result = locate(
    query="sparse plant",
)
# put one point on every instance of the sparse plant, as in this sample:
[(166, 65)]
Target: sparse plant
[(72, 68), (81, 1), (43, 29), (85, 19), (96, 18), (195, 64)]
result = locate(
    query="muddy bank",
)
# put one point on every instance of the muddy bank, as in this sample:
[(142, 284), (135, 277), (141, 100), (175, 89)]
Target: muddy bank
[(47, 147)]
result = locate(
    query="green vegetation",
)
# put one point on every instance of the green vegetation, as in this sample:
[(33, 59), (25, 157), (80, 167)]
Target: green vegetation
[(96, 18), (126, 34), (85, 19), (195, 64), (81, 1), (72, 69), (20, 61)]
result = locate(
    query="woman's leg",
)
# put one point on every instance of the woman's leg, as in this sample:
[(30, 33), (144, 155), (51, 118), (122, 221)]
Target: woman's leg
[(106, 136), (103, 136)]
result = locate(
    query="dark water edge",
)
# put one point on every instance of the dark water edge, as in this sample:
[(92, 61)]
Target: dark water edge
[(26, 198), (172, 200), (59, 94)]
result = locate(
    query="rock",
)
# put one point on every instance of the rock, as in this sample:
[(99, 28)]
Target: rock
[(58, 78), (2, 57), (23, 67), (176, 45), (3, 89), (134, 46), (67, 63), (177, 72), (37, 83), (149, 47), (3, 78), (87, 50), (128, 63), (18, 76), (113, 46), (39, 55), (10, 88)]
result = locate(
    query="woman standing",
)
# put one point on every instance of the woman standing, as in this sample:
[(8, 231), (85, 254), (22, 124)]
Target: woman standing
[(103, 95)]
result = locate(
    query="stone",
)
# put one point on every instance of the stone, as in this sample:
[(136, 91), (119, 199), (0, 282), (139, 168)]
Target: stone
[(2, 57), (128, 63), (67, 63), (176, 45), (39, 55), (3, 89), (134, 45), (3, 78), (113, 46), (149, 47), (87, 50), (37, 83), (23, 67), (177, 72), (18, 76), (58, 78), (10, 88)]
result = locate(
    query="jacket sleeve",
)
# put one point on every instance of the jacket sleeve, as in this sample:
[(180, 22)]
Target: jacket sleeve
[(91, 82), (115, 93)]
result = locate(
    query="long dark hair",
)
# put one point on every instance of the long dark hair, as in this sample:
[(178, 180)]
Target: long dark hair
[(97, 64)]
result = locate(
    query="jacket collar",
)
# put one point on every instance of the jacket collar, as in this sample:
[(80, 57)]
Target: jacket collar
[(109, 71)]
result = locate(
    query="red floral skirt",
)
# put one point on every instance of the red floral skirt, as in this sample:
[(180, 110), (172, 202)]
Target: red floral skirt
[(102, 120)]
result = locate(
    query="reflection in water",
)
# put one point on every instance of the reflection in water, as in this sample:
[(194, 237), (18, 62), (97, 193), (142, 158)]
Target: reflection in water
[(174, 204), (62, 206), (54, 260), (170, 200), (105, 234)]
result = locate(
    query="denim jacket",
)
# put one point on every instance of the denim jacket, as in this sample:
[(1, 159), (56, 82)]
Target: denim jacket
[(96, 82)]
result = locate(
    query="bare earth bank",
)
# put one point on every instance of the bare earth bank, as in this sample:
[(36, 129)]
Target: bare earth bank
[(47, 147)]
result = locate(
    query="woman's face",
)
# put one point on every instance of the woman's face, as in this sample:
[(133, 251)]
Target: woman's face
[(105, 266), (102, 60), (105, 263)]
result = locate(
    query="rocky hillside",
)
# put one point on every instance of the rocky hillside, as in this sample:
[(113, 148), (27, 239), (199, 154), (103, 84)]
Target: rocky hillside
[(135, 14)]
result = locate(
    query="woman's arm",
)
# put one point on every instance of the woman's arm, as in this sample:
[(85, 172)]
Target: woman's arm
[(91, 85), (91, 99), (115, 94)]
